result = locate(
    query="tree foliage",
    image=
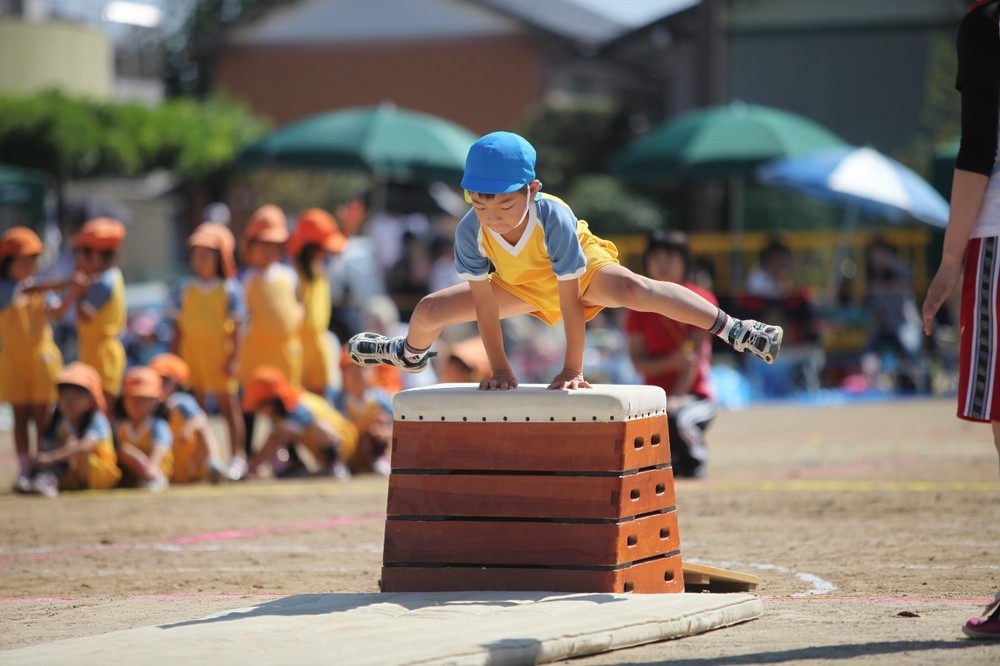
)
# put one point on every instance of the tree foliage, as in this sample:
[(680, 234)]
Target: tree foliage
[(70, 137)]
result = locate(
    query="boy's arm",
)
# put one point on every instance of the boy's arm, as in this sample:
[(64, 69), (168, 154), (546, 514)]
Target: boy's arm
[(488, 320), (575, 328)]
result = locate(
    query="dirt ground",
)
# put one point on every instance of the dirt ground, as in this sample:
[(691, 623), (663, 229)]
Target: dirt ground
[(873, 528)]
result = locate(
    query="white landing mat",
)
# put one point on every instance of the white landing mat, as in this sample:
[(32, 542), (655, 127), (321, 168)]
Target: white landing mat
[(495, 628)]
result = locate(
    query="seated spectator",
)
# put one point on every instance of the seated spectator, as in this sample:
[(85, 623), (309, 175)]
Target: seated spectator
[(369, 408), (676, 357), (771, 295)]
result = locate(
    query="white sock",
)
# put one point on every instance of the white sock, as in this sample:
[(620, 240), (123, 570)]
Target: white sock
[(411, 355), (723, 325)]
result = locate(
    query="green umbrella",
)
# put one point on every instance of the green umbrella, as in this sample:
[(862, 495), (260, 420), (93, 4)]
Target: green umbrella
[(389, 142), (23, 189), (720, 142)]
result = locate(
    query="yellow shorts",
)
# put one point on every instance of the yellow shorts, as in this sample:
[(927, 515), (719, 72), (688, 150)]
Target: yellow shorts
[(545, 295), (190, 461), (28, 376), (282, 353), (107, 356), (207, 360), (100, 471)]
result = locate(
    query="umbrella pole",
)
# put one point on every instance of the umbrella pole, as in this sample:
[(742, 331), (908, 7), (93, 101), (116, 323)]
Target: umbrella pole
[(736, 230), (843, 251)]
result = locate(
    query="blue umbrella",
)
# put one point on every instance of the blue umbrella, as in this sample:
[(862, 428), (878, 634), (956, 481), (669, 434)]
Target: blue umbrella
[(864, 180)]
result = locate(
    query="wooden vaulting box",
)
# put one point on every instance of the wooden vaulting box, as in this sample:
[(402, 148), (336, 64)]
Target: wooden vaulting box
[(531, 489)]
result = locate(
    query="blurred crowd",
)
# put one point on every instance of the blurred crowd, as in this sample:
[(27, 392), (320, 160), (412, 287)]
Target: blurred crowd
[(254, 332)]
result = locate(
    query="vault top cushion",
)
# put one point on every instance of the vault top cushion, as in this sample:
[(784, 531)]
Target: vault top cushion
[(528, 403)]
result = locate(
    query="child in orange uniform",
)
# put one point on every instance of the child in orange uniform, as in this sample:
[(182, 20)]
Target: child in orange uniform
[(30, 361), (316, 234), (196, 451), (145, 443), (209, 312), (274, 313), (298, 416), (101, 310), (77, 452)]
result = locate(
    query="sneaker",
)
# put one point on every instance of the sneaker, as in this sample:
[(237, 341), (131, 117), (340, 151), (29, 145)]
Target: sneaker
[(23, 484), (987, 626), (157, 484), (372, 349), (237, 469), (337, 469), (382, 466), (45, 484), (762, 340), (217, 473)]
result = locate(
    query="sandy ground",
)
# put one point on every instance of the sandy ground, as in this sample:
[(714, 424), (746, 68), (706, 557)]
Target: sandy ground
[(873, 528)]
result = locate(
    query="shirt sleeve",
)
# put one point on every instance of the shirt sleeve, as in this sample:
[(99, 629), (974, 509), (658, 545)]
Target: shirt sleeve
[(298, 420), (100, 292), (563, 245), (161, 435), (978, 81), (236, 304), (7, 290), (471, 262), (99, 428), (187, 406)]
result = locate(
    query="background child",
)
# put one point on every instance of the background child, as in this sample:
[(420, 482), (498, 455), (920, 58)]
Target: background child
[(100, 311), (77, 452), (143, 437), (369, 408), (676, 357), (209, 311), (315, 236), (274, 313), (195, 448), (30, 361), (522, 252), (298, 416)]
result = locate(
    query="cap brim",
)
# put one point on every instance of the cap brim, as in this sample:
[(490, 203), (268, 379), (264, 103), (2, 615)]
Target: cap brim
[(490, 186)]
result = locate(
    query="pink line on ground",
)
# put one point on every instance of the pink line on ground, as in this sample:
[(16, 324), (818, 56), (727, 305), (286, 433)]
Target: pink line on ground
[(278, 529), (192, 539)]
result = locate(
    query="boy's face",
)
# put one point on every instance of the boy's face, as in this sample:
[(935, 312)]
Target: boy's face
[(665, 265), (139, 407), (504, 212), (74, 401)]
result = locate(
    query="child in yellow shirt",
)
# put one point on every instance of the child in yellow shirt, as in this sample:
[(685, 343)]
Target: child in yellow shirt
[(298, 416), (144, 440), (316, 234), (30, 361), (524, 252), (100, 311), (77, 452), (196, 450), (274, 313), (209, 311)]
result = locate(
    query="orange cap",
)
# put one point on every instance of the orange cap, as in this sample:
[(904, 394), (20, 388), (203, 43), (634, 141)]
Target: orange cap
[(142, 382), (267, 224), (101, 233), (217, 237), (84, 376), (20, 242), (267, 383), (318, 227), (171, 366)]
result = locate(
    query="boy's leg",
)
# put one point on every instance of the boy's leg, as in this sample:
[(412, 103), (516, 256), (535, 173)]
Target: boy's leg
[(447, 307), (615, 286)]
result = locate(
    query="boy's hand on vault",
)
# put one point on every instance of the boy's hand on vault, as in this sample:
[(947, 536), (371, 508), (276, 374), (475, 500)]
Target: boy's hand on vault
[(500, 381), (569, 379)]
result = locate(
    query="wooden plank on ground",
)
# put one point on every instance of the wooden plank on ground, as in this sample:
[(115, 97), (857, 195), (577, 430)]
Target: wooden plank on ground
[(701, 577)]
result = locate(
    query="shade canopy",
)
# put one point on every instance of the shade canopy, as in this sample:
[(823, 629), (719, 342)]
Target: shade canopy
[(384, 140), (720, 142), (862, 178)]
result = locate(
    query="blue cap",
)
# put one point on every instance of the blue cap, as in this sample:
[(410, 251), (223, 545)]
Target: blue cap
[(499, 163)]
